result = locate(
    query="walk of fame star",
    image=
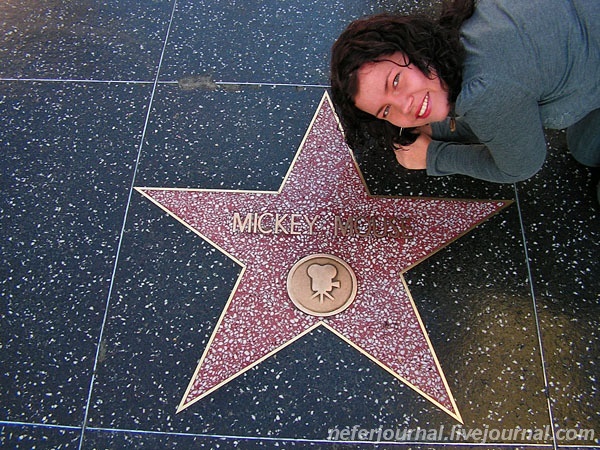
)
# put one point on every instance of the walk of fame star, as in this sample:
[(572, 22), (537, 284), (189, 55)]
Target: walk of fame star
[(343, 244)]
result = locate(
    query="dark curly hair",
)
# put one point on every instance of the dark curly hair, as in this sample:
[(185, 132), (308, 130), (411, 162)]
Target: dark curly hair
[(431, 46)]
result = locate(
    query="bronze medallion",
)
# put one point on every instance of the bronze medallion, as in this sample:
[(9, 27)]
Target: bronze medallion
[(321, 285)]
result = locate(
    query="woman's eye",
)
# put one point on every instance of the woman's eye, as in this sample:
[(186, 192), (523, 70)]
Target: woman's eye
[(386, 111), (396, 79)]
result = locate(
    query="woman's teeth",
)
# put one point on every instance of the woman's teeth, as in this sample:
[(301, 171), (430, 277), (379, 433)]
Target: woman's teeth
[(424, 106)]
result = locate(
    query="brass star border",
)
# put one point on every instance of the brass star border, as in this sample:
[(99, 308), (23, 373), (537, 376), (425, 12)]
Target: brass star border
[(322, 209)]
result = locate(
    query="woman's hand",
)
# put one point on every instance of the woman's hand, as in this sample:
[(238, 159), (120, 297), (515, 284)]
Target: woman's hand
[(414, 156), (425, 129)]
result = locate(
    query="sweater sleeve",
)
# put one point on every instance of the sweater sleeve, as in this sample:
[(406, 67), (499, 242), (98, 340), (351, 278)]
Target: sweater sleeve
[(462, 134), (506, 121)]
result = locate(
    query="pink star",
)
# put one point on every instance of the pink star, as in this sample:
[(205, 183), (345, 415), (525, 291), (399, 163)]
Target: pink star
[(322, 208)]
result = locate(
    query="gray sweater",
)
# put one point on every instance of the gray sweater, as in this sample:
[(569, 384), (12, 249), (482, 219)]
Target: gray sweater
[(529, 64)]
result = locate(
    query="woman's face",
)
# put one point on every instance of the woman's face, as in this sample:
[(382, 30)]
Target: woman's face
[(403, 96)]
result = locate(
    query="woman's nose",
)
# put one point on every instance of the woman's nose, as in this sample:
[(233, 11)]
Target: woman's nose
[(401, 103), (405, 102)]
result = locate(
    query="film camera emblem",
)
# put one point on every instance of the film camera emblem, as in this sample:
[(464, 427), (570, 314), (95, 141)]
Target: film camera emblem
[(321, 285)]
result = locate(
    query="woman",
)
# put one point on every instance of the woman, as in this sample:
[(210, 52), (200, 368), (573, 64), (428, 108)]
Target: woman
[(471, 93)]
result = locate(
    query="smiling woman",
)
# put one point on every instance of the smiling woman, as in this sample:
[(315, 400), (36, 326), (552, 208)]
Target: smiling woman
[(392, 89), (471, 92)]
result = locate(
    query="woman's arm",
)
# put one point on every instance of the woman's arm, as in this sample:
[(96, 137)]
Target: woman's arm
[(441, 131), (506, 122), (414, 156)]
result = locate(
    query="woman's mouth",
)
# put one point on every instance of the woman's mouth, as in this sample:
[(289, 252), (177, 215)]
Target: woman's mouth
[(424, 111)]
